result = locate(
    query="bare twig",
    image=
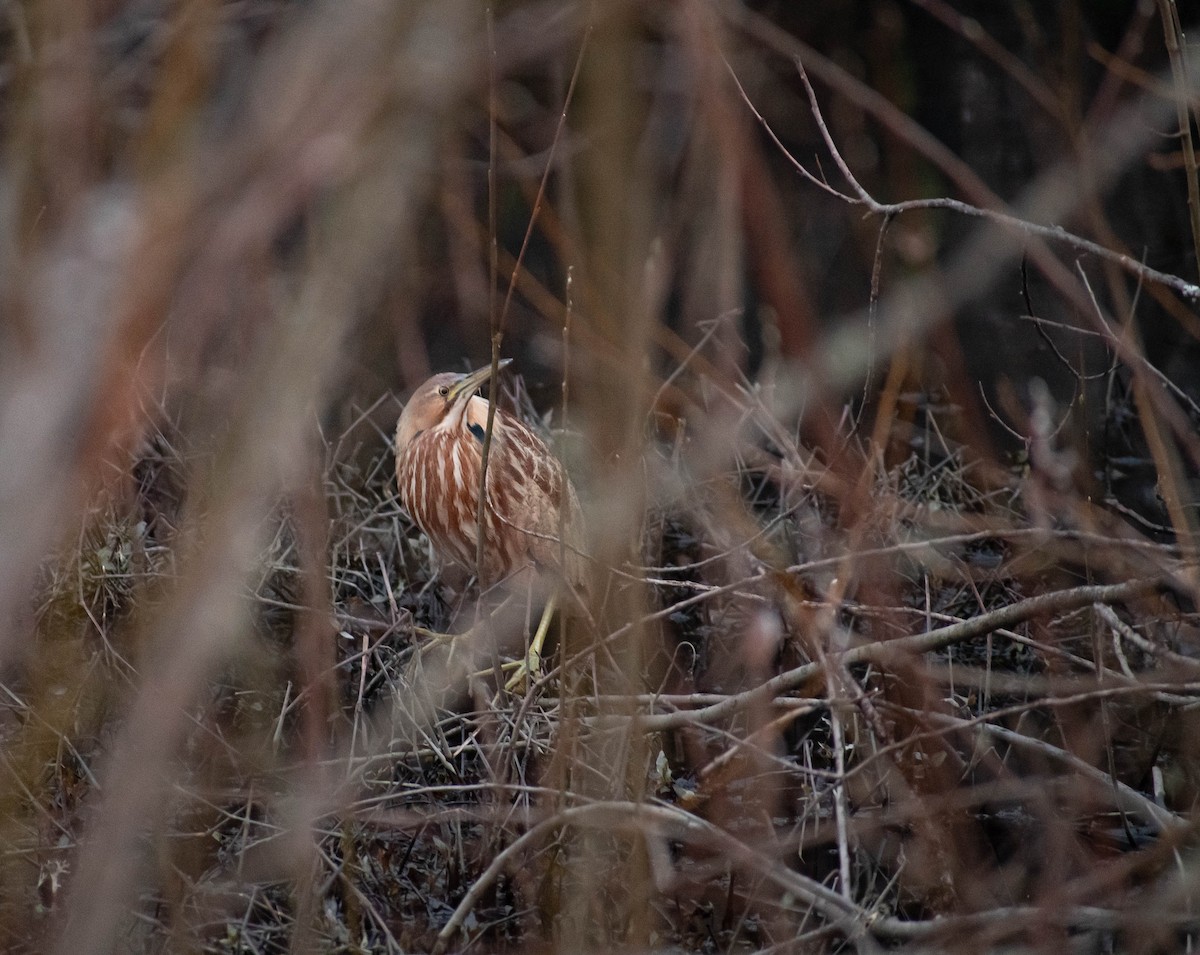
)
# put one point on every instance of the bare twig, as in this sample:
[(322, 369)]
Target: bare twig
[(1056, 602), (1184, 91)]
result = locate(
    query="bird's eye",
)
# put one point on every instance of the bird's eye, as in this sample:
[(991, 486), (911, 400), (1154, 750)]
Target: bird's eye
[(443, 391)]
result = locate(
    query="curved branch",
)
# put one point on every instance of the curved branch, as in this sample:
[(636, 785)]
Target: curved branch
[(884, 651)]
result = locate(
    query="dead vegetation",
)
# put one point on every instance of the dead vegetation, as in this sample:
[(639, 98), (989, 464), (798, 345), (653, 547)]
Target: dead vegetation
[(890, 653)]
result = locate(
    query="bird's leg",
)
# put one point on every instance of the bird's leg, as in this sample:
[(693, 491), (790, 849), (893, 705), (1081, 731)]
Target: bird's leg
[(435, 638), (532, 664), (435, 635), (446, 643)]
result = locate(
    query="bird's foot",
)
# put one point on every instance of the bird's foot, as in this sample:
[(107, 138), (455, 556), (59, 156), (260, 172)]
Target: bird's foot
[(433, 634), (447, 644), (531, 666)]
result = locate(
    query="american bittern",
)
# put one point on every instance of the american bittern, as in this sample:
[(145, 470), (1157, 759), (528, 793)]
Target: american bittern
[(439, 454)]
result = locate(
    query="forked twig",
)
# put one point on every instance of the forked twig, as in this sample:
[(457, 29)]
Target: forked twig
[(992, 208)]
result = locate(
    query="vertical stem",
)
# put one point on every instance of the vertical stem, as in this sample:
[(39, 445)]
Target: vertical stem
[(840, 812), (564, 504), (498, 318), (493, 292), (1173, 35)]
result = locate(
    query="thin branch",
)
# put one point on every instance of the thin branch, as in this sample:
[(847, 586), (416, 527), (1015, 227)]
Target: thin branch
[(1173, 35), (883, 652), (499, 320), (1127, 132), (650, 819)]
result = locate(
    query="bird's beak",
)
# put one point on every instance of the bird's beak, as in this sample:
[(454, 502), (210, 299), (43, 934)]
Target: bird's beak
[(468, 384)]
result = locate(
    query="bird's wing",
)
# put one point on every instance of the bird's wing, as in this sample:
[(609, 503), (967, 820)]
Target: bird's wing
[(529, 492)]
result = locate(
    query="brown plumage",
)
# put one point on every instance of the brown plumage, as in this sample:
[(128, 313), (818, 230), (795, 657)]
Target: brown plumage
[(439, 452)]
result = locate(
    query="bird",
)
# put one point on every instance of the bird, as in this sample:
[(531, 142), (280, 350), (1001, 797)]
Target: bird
[(532, 522)]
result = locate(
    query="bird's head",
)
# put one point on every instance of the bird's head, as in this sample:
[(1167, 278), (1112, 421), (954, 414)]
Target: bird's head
[(440, 400)]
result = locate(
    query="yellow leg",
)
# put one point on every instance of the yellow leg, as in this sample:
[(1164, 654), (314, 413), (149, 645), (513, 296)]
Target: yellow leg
[(446, 643), (434, 638), (532, 664)]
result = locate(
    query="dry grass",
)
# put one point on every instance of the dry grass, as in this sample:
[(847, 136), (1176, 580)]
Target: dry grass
[(888, 653)]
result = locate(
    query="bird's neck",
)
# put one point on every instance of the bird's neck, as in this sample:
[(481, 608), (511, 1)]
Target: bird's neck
[(474, 416), (470, 416)]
